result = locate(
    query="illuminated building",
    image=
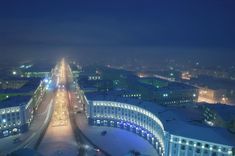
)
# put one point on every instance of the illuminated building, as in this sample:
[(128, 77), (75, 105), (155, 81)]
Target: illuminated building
[(169, 130), (165, 92), (12, 83), (219, 115), (154, 89), (212, 95), (75, 69), (39, 70), (17, 109), (186, 76), (16, 114)]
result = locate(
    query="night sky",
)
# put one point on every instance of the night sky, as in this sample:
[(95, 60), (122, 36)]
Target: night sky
[(101, 30)]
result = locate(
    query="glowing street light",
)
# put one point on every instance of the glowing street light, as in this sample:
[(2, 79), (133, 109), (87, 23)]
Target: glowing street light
[(14, 73)]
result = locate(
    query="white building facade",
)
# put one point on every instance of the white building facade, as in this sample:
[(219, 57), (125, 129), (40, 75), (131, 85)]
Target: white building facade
[(16, 119), (146, 124)]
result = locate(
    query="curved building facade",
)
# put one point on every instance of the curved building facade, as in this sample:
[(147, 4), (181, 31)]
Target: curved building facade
[(129, 117), (138, 118)]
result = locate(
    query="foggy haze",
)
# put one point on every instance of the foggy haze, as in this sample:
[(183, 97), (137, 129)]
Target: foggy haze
[(106, 31)]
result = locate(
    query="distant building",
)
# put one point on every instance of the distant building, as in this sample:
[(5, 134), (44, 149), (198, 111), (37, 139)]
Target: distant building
[(176, 94), (94, 83), (212, 95), (219, 115), (12, 83), (165, 92), (124, 94), (31, 86), (38, 70), (76, 69), (213, 73), (185, 75), (154, 89), (214, 90)]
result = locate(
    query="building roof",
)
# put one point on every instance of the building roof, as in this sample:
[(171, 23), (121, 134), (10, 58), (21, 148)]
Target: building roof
[(170, 85), (213, 83), (39, 67), (181, 121), (13, 78), (30, 86), (14, 101), (227, 112), (179, 86)]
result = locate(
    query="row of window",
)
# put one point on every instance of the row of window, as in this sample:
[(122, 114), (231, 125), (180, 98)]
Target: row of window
[(129, 107), (134, 117), (181, 101), (132, 95), (124, 113), (133, 128), (10, 124), (9, 110), (131, 114), (10, 116), (199, 147)]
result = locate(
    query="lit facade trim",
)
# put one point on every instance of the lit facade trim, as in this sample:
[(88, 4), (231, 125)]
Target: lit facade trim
[(144, 123)]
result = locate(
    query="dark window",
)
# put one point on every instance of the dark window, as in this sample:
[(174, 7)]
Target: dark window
[(198, 150), (190, 142), (182, 147), (207, 146)]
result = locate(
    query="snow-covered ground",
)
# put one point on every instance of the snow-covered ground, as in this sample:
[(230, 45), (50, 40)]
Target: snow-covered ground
[(116, 142)]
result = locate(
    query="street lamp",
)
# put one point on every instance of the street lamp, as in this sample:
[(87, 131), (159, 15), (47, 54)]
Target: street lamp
[(14, 73)]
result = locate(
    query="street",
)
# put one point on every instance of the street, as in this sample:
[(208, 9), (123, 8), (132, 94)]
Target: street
[(59, 138)]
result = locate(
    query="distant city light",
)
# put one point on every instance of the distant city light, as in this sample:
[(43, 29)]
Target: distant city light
[(165, 95), (14, 73), (229, 152), (29, 66), (22, 66), (46, 80), (86, 146)]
